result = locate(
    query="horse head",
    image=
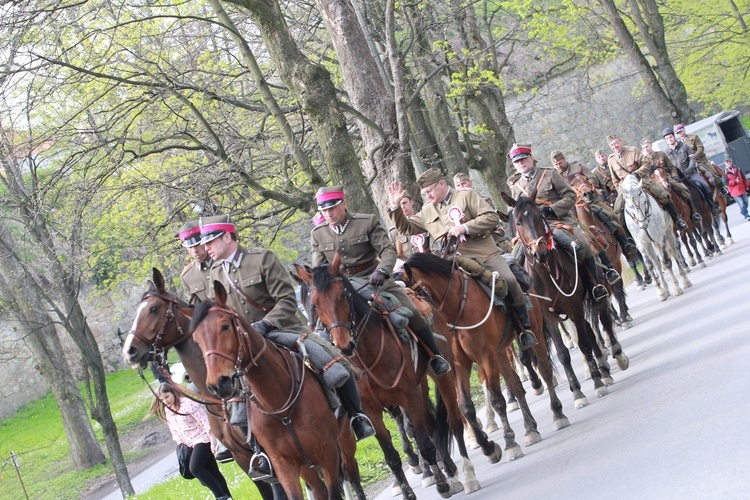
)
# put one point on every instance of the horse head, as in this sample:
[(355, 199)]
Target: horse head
[(583, 188), (658, 174), (154, 328), (333, 299), (529, 227), (220, 333)]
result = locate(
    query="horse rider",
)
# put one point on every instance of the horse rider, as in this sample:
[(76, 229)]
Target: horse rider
[(702, 162), (599, 208), (403, 242), (196, 274), (366, 251), (680, 156), (626, 160), (478, 221), (601, 172), (557, 200), (259, 289), (660, 159), (462, 181)]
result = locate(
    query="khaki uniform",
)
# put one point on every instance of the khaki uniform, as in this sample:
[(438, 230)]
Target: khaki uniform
[(360, 245), (501, 238), (196, 278), (702, 162), (404, 246), (632, 160), (659, 159), (261, 276), (480, 219), (600, 208), (555, 192)]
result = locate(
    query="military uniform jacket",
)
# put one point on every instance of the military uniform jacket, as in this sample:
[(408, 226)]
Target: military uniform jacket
[(659, 159), (404, 242), (552, 191), (261, 276), (631, 161), (696, 147), (196, 278), (364, 240), (576, 168), (480, 218)]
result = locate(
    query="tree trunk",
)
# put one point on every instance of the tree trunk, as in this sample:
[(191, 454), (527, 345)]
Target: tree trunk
[(631, 48), (312, 86)]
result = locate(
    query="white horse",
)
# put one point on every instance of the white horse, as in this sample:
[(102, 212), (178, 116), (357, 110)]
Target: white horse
[(651, 227)]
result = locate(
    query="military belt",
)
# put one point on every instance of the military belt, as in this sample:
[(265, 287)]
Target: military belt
[(351, 271)]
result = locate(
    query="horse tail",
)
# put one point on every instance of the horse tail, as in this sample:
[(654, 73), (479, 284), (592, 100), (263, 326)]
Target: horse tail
[(548, 338), (441, 434)]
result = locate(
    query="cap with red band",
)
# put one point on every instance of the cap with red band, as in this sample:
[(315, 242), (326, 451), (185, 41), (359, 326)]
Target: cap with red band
[(213, 227), (190, 234), (329, 196), (679, 127), (520, 151)]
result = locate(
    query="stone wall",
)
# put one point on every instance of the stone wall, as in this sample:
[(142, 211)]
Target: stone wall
[(575, 113)]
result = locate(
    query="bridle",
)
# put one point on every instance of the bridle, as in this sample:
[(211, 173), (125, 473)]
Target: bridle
[(351, 324), (157, 350), (531, 247)]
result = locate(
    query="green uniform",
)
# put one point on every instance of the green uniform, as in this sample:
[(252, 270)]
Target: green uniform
[(555, 192), (480, 220), (603, 211), (196, 278), (364, 246)]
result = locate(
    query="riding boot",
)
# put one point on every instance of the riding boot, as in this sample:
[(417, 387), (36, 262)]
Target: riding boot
[(361, 425), (598, 291), (611, 275), (626, 243), (672, 211), (526, 338), (693, 213), (260, 465), (438, 364)]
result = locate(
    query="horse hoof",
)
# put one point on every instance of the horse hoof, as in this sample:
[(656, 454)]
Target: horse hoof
[(416, 469), (580, 403), (513, 453), (723, 246), (560, 423), (496, 455), (641, 287), (428, 481), (532, 438), (491, 427), (703, 264), (628, 318), (678, 292), (623, 362), (472, 486), (627, 325), (396, 490), (662, 296), (570, 344), (608, 381), (730, 241), (456, 485), (539, 390), (513, 406), (445, 491), (601, 391), (686, 283)]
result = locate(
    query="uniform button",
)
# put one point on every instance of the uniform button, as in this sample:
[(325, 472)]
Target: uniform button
[(247, 312), (242, 301), (341, 249), (345, 256), (341, 241), (235, 280)]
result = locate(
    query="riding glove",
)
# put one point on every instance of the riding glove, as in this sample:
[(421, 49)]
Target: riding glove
[(263, 326), (548, 213), (378, 277)]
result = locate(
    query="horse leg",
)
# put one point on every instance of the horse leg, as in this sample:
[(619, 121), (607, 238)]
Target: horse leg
[(349, 465), (490, 449), (489, 412), (527, 361), (516, 387), (623, 362), (563, 355), (695, 242), (544, 364), (685, 238), (633, 263), (289, 480), (618, 290), (587, 345), (717, 232), (670, 245), (418, 415), (406, 447), (448, 412), (730, 240), (651, 258), (512, 449)]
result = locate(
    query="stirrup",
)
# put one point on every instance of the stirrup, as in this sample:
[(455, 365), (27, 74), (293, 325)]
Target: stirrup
[(697, 217), (527, 339), (364, 430), (681, 224), (437, 359), (724, 191), (612, 276), (256, 459), (599, 292)]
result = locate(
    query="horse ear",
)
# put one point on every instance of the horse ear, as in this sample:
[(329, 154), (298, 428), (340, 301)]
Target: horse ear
[(507, 199), (301, 276), (158, 279), (220, 293), (335, 265), (503, 216)]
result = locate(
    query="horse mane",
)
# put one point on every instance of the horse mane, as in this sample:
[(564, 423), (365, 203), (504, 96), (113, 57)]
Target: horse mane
[(431, 263), (523, 202), (200, 313), (322, 280)]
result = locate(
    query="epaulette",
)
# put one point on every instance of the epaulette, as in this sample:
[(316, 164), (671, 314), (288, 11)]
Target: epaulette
[(513, 178), (186, 268)]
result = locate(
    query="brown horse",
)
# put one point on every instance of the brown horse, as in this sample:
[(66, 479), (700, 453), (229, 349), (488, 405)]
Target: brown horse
[(586, 195), (483, 335), (395, 372), (691, 237), (162, 321), (721, 201), (290, 413), (556, 276), (447, 402)]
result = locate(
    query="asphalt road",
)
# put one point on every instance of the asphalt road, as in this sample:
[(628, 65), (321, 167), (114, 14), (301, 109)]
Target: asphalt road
[(674, 425)]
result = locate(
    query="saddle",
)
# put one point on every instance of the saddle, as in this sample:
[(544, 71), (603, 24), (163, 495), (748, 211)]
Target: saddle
[(385, 301)]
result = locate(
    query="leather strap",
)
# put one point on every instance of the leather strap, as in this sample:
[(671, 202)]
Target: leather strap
[(350, 271), (236, 289)]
